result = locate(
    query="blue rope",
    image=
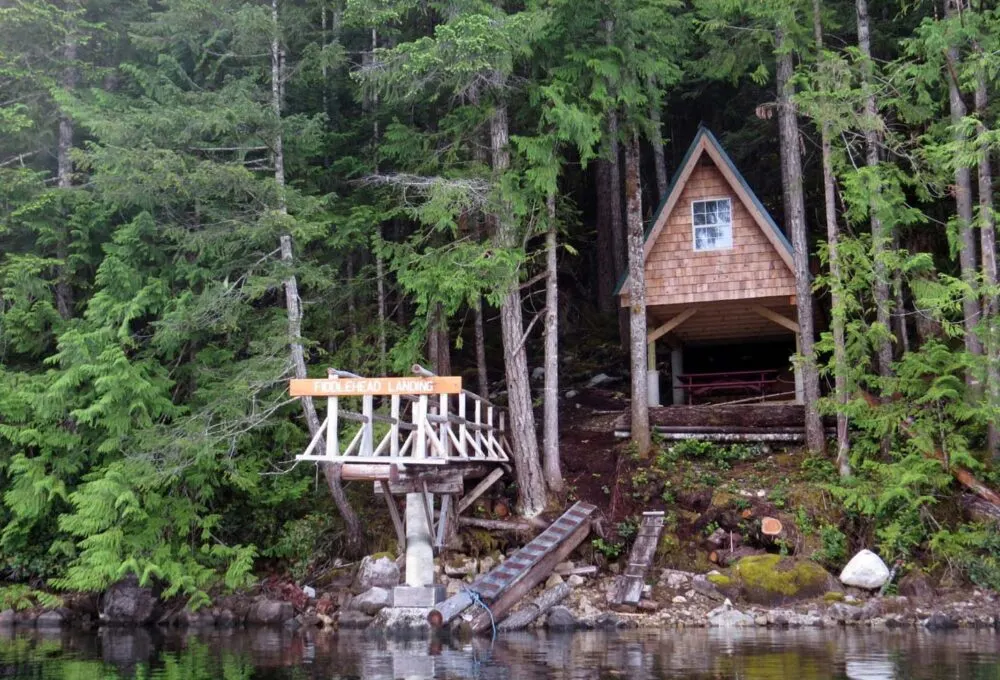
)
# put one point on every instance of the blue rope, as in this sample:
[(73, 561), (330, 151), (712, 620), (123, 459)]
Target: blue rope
[(477, 600)]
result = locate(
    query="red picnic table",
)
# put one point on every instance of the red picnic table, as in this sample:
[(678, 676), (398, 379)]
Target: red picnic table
[(741, 382)]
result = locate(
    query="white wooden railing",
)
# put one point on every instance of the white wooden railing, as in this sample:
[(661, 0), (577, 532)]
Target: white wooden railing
[(422, 429)]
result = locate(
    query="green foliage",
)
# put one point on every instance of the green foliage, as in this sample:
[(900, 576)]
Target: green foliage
[(832, 552), (20, 597), (611, 550)]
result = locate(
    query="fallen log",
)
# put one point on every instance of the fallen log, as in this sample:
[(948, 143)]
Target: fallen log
[(964, 477), (524, 526), (528, 614), (979, 510)]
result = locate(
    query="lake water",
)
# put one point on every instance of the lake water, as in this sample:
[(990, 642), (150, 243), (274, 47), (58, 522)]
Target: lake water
[(687, 655)]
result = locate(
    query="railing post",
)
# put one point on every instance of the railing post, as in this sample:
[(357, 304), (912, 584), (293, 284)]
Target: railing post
[(368, 433), (479, 428), (332, 407), (445, 426), (420, 421), (491, 436), (394, 414), (462, 430)]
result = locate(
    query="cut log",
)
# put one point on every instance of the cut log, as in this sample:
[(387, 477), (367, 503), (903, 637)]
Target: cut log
[(523, 526), (588, 570), (527, 615)]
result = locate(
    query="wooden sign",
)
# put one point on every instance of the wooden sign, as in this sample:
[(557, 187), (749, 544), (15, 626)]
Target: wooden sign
[(354, 387)]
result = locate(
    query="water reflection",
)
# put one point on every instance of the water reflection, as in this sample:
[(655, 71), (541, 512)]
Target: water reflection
[(272, 654)]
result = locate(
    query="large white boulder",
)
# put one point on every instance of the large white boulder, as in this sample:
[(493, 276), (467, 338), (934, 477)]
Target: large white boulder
[(865, 570)]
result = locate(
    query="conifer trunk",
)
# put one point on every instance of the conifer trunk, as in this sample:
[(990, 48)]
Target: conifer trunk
[(791, 180), (881, 286), (656, 141), (606, 279), (293, 303), (482, 376), (963, 201), (836, 284), (637, 300), (532, 496), (383, 344), (550, 405), (63, 289), (988, 245)]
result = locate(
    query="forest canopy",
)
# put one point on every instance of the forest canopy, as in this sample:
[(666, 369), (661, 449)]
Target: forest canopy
[(200, 199)]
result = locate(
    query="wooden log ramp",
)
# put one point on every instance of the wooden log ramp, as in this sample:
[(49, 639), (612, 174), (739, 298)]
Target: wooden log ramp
[(497, 592), (628, 590)]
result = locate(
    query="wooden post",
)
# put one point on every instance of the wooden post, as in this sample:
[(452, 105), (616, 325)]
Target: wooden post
[(443, 439), (462, 430), (367, 439), (332, 444), (676, 369), (800, 390), (652, 375), (479, 431), (394, 414)]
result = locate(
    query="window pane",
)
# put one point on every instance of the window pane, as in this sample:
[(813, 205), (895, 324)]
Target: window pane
[(712, 223)]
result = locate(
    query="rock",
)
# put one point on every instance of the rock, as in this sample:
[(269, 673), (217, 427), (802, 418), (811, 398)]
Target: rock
[(760, 620), (572, 394), (609, 621), (309, 620), (771, 580), (703, 586), (537, 373), (406, 622), (725, 616), (270, 612), (674, 579), (354, 620), (599, 379), (575, 580), (780, 617), (376, 573), (51, 619), (679, 599), (916, 585), (719, 537), (844, 613), (309, 592), (372, 601), (553, 581), (486, 564), (463, 566), (560, 618), (202, 618), (648, 606), (7, 617), (940, 621), (865, 570), (128, 604), (225, 618)]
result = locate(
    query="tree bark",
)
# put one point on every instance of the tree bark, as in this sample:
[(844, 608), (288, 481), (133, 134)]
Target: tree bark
[(293, 303), (879, 237), (439, 342), (606, 279), (988, 246), (550, 405), (656, 141), (840, 367), (482, 376), (963, 202), (637, 300), (63, 289), (791, 171), (532, 496)]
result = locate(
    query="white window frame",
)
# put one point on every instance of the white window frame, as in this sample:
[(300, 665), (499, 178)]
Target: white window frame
[(694, 228)]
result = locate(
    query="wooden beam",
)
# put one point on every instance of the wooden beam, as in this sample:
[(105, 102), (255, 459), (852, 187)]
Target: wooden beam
[(397, 521), (772, 315), (479, 490), (654, 335)]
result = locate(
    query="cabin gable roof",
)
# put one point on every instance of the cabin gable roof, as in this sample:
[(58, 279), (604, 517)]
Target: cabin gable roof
[(706, 144)]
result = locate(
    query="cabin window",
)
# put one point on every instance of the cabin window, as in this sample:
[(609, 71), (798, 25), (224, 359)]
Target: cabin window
[(713, 224)]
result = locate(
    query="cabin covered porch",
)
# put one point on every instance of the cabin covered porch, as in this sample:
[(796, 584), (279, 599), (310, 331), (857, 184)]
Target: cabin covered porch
[(723, 351)]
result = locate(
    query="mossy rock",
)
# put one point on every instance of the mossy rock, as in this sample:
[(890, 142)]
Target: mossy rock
[(833, 596), (720, 580), (771, 580)]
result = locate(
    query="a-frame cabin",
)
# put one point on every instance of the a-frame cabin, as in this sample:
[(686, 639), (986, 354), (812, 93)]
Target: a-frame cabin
[(720, 286)]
